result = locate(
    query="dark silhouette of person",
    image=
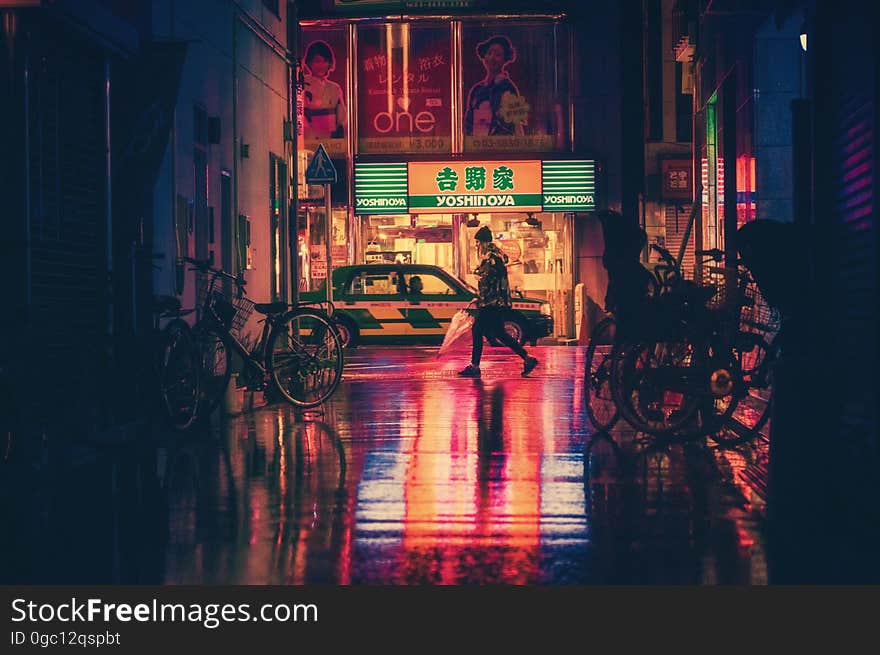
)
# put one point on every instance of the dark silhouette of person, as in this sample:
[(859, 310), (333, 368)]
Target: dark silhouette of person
[(415, 286), (774, 253), (493, 302), (629, 282)]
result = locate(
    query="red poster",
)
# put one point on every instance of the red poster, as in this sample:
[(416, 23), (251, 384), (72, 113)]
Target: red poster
[(404, 89), (514, 93), (325, 60)]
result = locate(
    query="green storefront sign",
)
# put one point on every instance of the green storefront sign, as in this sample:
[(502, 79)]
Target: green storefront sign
[(448, 187), (380, 189), (569, 185)]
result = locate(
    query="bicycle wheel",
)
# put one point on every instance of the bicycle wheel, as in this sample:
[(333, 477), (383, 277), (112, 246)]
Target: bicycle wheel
[(755, 408), (657, 385), (215, 368), (304, 358), (178, 375), (720, 391), (597, 376)]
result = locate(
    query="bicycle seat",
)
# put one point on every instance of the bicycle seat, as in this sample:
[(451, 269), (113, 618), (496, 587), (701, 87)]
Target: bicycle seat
[(271, 307)]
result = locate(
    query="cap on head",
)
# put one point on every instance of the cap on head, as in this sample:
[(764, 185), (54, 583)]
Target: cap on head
[(484, 234)]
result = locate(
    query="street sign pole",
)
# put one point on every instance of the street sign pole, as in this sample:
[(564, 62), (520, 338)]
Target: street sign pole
[(322, 171), (328, 209)]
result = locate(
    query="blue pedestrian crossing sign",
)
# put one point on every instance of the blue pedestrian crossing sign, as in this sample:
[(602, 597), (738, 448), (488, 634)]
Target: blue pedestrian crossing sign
[(321, 170)]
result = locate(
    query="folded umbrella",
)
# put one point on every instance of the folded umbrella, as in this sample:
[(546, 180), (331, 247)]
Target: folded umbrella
[(460, 326)]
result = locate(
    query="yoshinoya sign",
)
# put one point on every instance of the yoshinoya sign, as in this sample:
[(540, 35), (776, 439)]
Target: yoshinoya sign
[(380, 188), (448, 187), (569, 185)]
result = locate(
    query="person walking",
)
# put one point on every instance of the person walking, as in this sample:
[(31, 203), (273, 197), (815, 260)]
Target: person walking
[(493, 302)]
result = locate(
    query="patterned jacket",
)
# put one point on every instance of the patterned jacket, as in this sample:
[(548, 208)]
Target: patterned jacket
[(493, 286)]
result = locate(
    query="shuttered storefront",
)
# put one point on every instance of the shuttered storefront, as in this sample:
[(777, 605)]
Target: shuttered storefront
[(676, 217), (852, 229), (67, 173)]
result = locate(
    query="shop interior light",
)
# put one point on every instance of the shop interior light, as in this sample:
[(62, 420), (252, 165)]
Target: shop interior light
[(531, 220), (473, 221)]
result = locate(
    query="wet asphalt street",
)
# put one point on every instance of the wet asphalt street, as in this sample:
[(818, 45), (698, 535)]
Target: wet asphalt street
[(409, 475)]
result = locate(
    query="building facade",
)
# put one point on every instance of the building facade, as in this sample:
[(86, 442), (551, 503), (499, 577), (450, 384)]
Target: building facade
[(222, 187), (138, 133), (667, 200), (65, 242), (439, 123), (785, 106)]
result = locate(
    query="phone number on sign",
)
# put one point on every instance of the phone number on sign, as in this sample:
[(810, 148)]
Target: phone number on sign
[(66, 638)]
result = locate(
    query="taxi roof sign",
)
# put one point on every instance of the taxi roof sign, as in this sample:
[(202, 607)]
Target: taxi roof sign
[(321, 169)]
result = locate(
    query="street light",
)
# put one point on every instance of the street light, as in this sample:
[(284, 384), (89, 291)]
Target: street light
[(803, 36)]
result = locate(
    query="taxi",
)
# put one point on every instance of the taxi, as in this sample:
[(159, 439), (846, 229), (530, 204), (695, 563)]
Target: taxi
[(414, 303)]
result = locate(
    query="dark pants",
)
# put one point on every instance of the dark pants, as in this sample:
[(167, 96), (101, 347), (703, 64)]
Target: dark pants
[(489, 322)]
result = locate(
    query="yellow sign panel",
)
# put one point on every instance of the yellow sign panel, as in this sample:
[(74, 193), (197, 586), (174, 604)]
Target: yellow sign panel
[(468, 186)]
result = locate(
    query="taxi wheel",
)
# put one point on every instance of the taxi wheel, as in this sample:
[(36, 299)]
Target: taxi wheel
[(349, 334), (515, 328)]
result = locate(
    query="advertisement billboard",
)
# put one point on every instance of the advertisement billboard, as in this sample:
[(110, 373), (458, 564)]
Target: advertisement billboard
[(514, 88), (324, 102), (404, 79)]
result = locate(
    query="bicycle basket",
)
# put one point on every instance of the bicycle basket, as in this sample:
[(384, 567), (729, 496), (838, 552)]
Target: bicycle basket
[(756, 314), (720, 285), (244, 307), (231, 313)]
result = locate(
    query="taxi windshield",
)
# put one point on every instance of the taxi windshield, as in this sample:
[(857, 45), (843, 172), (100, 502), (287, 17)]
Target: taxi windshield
[(468, 286)]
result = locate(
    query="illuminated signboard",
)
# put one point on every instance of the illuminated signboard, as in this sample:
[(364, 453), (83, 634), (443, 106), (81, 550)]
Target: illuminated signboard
[(380, 189), (569, 185), (447, 187)]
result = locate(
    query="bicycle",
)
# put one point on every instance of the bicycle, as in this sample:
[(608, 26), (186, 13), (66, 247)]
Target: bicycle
[(298, 354), (600, 404), (685, 370), (174, 366), (694, 357)]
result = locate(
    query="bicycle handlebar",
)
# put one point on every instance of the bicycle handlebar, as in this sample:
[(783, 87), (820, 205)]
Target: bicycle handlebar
[(665, 255), (204, 266)]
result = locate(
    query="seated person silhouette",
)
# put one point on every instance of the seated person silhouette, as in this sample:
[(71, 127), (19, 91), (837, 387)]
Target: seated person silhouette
[(415, 286)]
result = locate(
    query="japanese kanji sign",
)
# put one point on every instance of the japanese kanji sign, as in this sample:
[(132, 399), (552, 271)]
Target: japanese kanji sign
[(475, 186), (446, 187)]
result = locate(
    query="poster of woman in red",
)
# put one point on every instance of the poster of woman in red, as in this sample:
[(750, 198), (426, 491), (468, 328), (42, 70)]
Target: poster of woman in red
[(404, 89), (323, 98)]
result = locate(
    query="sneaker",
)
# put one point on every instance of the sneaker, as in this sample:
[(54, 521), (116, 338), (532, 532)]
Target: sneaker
[(470, 371), (529, 365)]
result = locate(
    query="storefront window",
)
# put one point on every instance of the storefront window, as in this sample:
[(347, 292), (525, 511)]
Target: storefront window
[(409, 240), (313, 245), (538, 248)]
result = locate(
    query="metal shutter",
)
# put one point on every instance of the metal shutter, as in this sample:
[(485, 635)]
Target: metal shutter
[(676, 224), (853, 231), (67, 169)]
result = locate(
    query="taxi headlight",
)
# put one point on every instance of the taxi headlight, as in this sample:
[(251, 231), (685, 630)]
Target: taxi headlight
[(545, 309)]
